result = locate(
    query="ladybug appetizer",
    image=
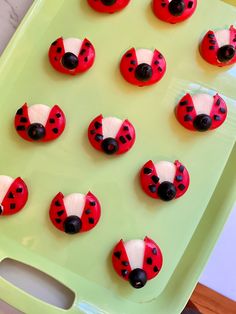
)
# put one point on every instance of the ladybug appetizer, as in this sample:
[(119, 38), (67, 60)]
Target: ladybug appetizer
[(39, 122), (142, 67), (111, 135), (201, 112), (219, 47), (174, 11), (71, 55), (75, 212), (137, 261), (108, 6), (13, 195), (164, 180)]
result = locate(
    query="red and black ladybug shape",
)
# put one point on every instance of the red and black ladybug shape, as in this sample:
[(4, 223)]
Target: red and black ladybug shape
[(164, 180), (174, 11), (75, 212), (39, 123), (219, 47), (142, 67), (71, 55), (201, 112), (13, 195), (111, 135), (137, 261), (108, 6)]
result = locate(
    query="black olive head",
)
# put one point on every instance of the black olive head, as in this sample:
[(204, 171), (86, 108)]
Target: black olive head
[(202, 122), (226, 53), (36, 131), (72, 224), (70, 61), (176, 7), (166, 191), (143, 72), (110, 146), (108, 2), (138, 278)]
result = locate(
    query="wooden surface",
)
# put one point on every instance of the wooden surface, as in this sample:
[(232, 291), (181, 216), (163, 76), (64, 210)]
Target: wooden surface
[(207, 301)]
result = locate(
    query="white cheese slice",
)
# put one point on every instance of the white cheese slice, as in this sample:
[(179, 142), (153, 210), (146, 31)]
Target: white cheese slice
[(203, 103), (72, 45), (74, 204), (223, 37), (166, 171), (144, 56), (39, 113), (111, 127), (5, 183), (135, 250)]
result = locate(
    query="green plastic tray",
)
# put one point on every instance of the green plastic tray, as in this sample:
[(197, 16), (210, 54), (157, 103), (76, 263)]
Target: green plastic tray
[(185, 229)]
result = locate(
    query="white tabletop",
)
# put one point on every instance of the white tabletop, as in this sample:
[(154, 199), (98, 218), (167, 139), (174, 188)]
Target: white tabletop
[(220, 272)]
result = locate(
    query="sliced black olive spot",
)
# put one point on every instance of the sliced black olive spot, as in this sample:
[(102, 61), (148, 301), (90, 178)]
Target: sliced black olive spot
[(156, 62), (1, 209), (91, 221), (211, 36), (179, 178), (126, 128), (12, 206), (152, 188), (82, 52), (117, 254), (133, 62), (122, 139), (147, 170), (183, 103), (189, 108), (128, 55), (92, 203), (190, 4), (124, 272), (130, 69), (51, 120), (222, 110), (166, 191), (202, 122), (138, 278), (23, 120), (149, 261), (110, 146), (97, 125), (163, 5), (155, 269), (19, 112), (217, 118), (56, 59), (88, 211), (19, 190), (10, 195), (187, 117), (234, 40), (57, 203), (54, 43), (108, 2), (226, 53), (181, 187), (218, 102), (58, 115), (212, 41), (143, 72), (181, 168), (36, 131), (155, 179), (58, 220), (87, 44), (211, 47), (72, 224), (159, 69), (125, 263), (60, 213), (98, 137), (129, 138), (154, 251), (176, 7), (20, 128), (70, 61), (160, 56), (86, 59), (55, 130), (92, 132), (59, 50)]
